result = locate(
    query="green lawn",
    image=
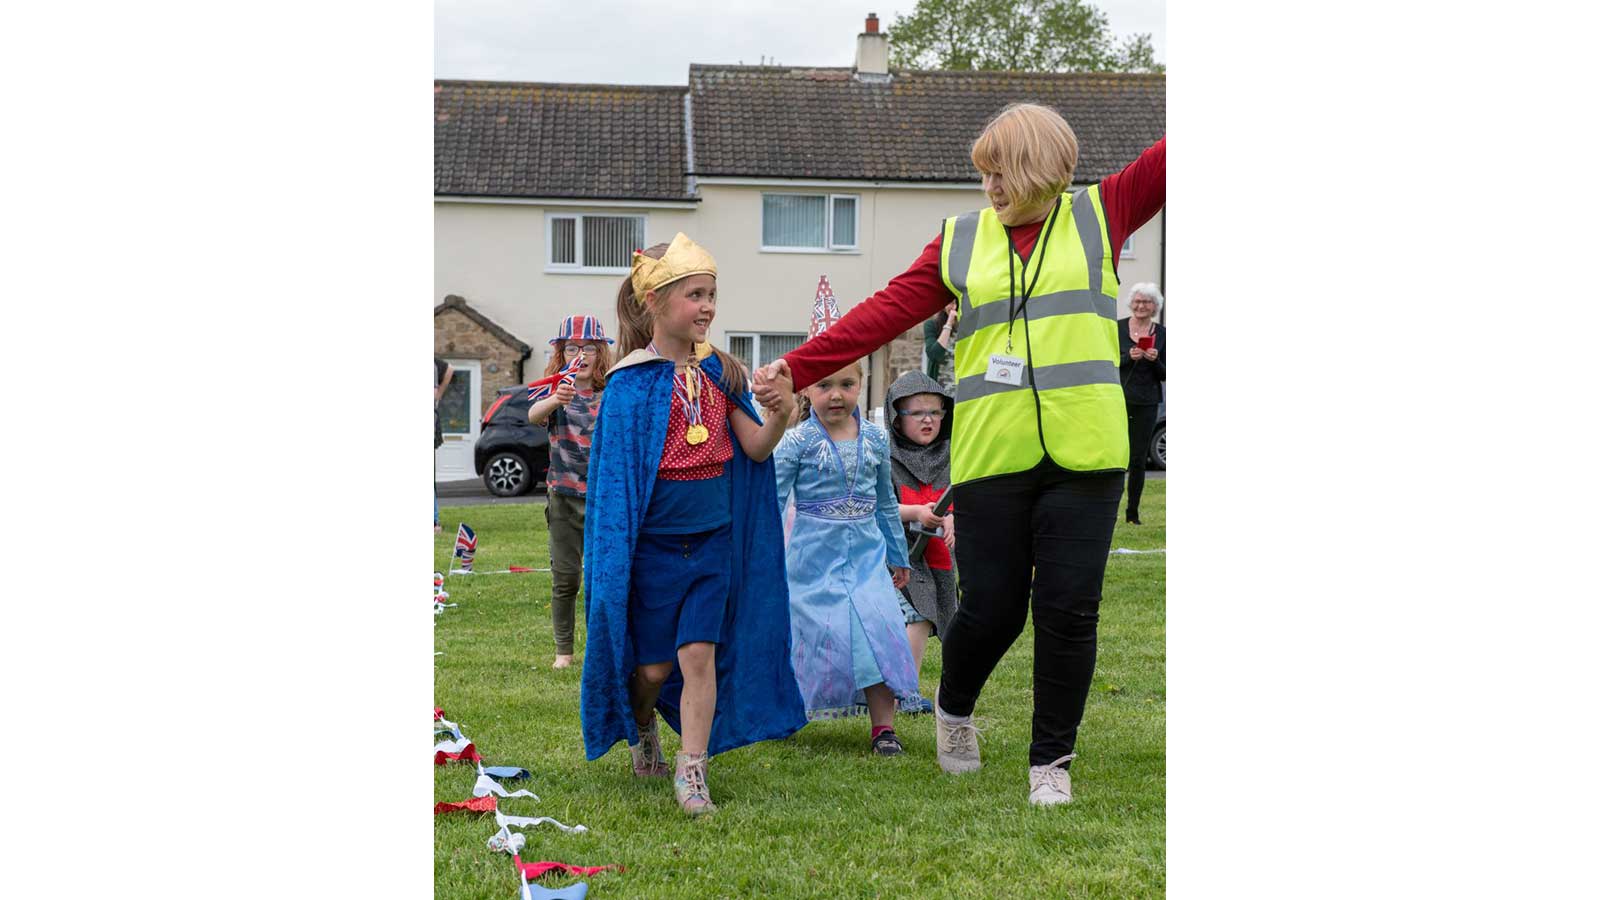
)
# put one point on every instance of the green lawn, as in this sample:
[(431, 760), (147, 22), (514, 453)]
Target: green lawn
[(812, 816)]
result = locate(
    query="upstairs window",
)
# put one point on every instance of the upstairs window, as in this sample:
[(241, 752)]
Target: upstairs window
[(809, 222), (591, 243)]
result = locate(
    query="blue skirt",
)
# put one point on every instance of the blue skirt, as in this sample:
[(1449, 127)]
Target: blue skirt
[(679, 592)]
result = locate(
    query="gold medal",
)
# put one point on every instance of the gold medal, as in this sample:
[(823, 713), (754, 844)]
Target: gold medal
[(697, 434)]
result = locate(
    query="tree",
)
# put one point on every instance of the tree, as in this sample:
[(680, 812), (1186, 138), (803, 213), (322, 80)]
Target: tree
[(1015, 35)]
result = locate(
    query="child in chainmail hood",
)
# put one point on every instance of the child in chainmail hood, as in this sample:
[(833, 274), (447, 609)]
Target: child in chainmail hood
[(918, 411)]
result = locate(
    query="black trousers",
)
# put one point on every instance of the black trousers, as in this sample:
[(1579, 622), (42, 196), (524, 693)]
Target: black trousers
[(1044, 533), (1141, 427)]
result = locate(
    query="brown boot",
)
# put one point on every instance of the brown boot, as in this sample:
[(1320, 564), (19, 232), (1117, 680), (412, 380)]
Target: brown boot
[(690, 785)]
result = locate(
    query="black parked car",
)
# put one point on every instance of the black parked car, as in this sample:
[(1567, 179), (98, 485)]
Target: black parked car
[(1158, 441), (511, 454)]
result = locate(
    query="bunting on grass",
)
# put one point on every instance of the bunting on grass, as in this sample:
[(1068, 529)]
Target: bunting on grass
[(505, 821), (476, 804), (485, 786), (534, 870)]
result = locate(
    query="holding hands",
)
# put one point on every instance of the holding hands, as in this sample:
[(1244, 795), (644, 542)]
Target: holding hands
[(774, 389), (902, 576)]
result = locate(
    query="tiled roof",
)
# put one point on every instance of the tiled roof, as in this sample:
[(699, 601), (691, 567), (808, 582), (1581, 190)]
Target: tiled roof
[(459, 303), (780, 122), (510, 139)]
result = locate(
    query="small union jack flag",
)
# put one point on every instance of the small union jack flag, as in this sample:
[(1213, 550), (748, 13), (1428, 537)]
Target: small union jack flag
[(466, 547), (542, 388), (824, 310)]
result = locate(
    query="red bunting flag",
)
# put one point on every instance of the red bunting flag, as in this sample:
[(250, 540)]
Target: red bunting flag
[(534, 870), (469, 753), (476, 804), (438, 713)]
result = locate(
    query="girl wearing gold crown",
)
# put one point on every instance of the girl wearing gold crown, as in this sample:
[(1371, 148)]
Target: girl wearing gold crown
[(688, 608)]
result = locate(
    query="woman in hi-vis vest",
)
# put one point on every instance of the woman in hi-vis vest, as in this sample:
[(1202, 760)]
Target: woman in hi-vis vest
[(1040, 439)]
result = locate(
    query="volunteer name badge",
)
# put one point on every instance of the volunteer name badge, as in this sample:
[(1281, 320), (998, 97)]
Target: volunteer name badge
[(1004, 369)]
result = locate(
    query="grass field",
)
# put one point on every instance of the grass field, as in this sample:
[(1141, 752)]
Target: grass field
[(814, 815)]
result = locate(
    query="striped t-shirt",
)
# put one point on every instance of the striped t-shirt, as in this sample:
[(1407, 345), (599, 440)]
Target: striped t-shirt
[(571, 428)]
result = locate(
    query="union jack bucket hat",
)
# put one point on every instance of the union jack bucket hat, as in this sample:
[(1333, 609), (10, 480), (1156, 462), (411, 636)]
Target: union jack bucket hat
[(581, 328)]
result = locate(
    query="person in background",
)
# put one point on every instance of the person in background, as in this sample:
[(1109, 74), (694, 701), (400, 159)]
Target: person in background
[(568, 413), (442, 373), (938, 336), (1143, 371)]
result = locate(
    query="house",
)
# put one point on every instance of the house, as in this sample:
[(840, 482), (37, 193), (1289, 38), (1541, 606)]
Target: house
[(786, 174)]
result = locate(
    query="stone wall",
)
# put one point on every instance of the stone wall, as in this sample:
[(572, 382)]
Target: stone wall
[(458, 335)]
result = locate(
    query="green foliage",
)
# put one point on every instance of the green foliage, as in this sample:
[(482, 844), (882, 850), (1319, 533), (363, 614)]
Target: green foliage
[(1015, 35), (814, 815)]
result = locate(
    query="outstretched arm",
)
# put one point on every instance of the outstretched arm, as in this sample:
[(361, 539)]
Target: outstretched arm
[(758, 439)]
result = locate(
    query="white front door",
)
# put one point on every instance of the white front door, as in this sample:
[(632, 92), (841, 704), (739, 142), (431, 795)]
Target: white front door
[(460, 410)]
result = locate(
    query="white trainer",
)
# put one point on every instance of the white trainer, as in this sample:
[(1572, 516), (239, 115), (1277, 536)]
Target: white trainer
[(957, 742), (1052, 784)]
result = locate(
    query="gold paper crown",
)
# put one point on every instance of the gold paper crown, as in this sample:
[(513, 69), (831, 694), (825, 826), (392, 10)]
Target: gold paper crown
[(682, 259)]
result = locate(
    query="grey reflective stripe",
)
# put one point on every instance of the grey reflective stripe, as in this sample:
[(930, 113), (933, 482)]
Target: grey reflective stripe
[(1046, 378), (1060, 303), (1089, 235), (962, 238)]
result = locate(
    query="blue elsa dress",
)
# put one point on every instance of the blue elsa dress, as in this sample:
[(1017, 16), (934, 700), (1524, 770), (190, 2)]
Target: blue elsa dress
[(847, 630)]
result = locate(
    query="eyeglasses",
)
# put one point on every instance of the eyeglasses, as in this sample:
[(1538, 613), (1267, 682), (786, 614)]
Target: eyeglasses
[(588, 350), (927, 415), (1141, 302)]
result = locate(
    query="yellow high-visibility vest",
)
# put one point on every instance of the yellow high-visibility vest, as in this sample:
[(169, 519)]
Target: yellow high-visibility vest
[(1069, 403)]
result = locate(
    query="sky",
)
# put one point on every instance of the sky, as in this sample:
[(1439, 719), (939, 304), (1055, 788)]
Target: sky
[(632, 42)]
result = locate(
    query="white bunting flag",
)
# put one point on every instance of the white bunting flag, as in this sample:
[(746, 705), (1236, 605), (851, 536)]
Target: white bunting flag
[(487, 786), (505, 821)]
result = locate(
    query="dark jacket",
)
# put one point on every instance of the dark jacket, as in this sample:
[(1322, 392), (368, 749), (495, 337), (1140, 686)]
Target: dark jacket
[(1141, 378)]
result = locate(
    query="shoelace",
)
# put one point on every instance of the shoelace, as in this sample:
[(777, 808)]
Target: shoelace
[(1056, 776), (963, 736), (650, 749), (694, 778)]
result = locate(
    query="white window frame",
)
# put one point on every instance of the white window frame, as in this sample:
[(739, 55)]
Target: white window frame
[(1127, 249), (554, 268), (828, 246), (756, 359)]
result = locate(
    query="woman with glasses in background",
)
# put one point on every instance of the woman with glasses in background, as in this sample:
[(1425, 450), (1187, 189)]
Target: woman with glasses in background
[(1143, 371)]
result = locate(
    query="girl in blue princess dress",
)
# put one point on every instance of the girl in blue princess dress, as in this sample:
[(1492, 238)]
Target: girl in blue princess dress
[(846, 562)]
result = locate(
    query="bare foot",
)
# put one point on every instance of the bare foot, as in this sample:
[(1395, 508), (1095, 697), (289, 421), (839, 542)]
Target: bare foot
[(562, 662)]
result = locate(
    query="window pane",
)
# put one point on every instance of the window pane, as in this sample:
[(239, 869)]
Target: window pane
[(739, 346), (844, 221), (563, 241), (453, 405), (790, 220), (609, 241), (776, 345)]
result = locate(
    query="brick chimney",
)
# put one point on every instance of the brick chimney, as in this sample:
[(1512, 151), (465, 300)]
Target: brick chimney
[(872, 50)]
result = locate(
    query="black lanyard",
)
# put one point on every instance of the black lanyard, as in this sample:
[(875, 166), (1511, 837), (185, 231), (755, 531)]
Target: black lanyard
[(1012, 307)]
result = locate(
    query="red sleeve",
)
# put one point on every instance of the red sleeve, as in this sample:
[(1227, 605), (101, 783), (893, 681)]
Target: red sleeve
[(908, 299), (1133, 196)]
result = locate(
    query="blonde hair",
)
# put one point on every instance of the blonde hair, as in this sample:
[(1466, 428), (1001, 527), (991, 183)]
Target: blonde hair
[(636, 326), (1033, 149), (803, 399)]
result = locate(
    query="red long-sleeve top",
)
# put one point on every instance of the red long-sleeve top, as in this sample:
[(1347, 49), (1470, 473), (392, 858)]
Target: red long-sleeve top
[(1131, 198)]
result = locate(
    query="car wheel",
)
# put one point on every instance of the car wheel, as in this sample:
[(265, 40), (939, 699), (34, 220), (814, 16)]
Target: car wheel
[(1158, 448), (507, 475)]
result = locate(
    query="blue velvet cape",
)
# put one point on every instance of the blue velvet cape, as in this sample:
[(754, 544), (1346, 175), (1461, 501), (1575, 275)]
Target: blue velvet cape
[(757, 696)]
